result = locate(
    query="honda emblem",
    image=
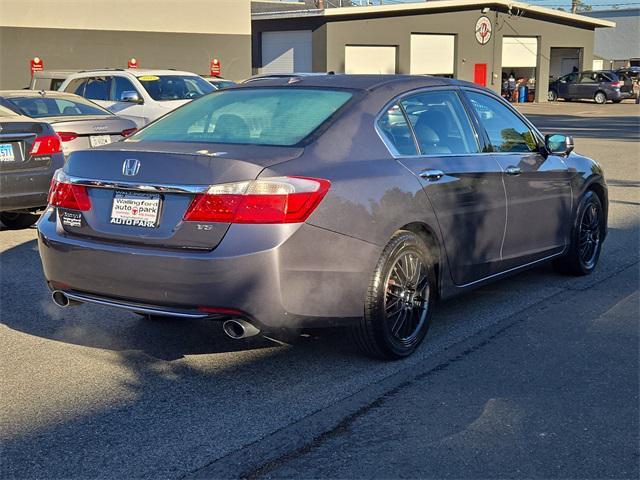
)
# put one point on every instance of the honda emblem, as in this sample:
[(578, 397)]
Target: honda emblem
[(130, 167)]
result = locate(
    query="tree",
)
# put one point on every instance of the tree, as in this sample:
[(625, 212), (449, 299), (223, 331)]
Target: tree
[(580, 6)]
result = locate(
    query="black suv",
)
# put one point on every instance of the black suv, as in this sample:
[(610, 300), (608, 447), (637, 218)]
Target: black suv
[(599, 85)]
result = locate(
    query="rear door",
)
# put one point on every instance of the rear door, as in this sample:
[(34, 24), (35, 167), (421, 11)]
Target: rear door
[(463, 185), (588, 85), (537, 185)]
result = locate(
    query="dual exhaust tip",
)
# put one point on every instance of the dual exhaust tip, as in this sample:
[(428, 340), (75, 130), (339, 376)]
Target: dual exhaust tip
[(234, 328)]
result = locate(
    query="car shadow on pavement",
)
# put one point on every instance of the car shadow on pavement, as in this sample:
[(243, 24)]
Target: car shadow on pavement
[(108, 328)]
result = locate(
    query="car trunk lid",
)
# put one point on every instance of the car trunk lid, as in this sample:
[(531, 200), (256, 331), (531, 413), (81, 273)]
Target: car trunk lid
[(159, 180), (16, 141)]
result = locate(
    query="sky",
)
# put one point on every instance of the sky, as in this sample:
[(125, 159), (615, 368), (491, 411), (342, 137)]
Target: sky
[(595, 4)]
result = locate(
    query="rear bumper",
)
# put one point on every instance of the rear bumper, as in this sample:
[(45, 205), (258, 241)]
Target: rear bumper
[(280, 275)]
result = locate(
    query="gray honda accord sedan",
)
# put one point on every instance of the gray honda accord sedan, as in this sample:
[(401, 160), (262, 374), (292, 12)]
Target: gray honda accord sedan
[(318, 200)]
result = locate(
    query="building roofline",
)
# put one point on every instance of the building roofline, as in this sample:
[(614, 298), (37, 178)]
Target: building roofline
[(426, 7)]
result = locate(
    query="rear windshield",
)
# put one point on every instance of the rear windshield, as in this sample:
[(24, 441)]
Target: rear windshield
[(175, 87), (40, 107), (256, 116)]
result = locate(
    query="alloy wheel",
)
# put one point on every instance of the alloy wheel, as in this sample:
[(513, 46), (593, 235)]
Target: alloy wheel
[(589, 235), (407, 297)]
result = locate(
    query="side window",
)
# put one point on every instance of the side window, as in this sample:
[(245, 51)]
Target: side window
[(56, 82), (440, 123), (587, 78), (394, 127), (98, 88), (120, 85), (76, 86), (506, 131)]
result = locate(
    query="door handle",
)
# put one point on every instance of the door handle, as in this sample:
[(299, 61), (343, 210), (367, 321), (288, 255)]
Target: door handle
[(513, 170), (432, 175)]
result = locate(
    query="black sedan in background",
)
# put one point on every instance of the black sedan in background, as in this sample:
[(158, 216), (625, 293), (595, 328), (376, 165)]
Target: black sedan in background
[(30, 152), (599, 86)]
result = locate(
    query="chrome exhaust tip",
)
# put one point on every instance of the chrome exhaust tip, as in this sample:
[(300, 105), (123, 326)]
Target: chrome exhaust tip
[(238, 329), (60, 299)]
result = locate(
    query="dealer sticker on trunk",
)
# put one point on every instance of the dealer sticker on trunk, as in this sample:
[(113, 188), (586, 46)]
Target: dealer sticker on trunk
[(71, 219), (135, 209)]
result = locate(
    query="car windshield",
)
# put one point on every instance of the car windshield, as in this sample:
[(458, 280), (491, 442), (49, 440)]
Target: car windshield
[(175, 87), (51, 106), (258, 116)]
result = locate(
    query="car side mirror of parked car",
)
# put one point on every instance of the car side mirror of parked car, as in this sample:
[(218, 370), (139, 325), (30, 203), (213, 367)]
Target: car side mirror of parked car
[(558, 144), (130, 96)]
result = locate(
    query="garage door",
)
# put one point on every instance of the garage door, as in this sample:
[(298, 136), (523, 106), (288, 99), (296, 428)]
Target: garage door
[(369, 59), (433, 54), (519, 51), (286, 52)]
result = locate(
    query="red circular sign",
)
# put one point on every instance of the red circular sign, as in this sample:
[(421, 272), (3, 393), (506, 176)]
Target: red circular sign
[(483, 30)]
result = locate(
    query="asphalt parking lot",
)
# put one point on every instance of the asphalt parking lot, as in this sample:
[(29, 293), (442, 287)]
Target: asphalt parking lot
[(534, 376)]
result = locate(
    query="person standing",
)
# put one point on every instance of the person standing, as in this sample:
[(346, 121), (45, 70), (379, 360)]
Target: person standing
[(511, 82)]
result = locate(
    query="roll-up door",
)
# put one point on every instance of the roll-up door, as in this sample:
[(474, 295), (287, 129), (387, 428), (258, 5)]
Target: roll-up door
[(432, 54), (519, 52), (369, 59), (286, 52)]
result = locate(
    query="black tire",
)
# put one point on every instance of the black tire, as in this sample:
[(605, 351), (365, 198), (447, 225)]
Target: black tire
[(600, 98), (552, 96), (18, 221), (587, 235), (399, 302)]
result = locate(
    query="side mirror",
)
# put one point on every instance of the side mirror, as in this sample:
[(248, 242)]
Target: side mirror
[(558, 144), (130, 96)]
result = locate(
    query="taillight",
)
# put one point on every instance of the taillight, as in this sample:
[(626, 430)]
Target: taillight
[(67, 136), (269, 200), (68, 195), (128, 132), (615, 84), (46, 145)]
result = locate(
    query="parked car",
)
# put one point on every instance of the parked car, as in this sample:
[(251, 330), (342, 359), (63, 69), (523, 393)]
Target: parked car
[(30, 152), (281, 205), (600, 86), (79, 122), (49, 79), (219, 83), (141, 95), (632, 72)]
